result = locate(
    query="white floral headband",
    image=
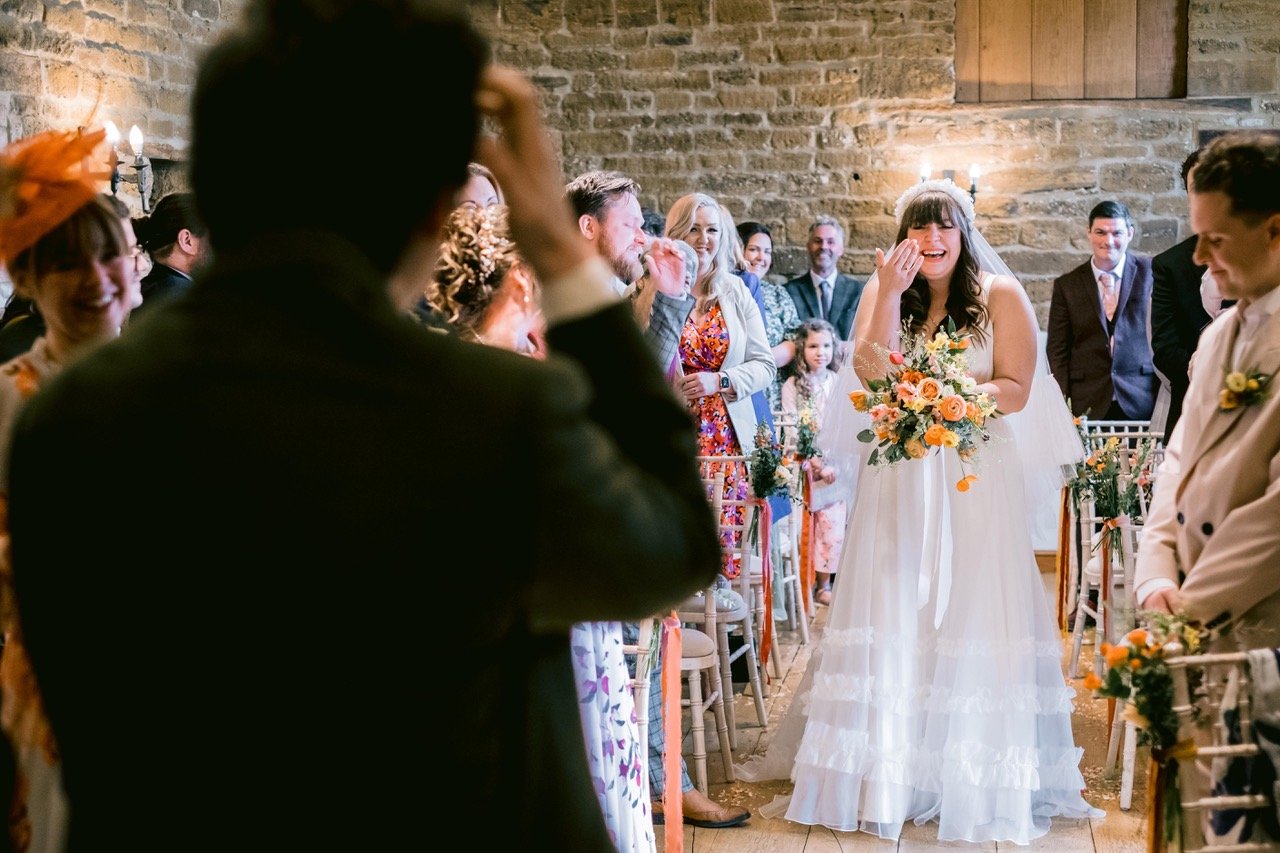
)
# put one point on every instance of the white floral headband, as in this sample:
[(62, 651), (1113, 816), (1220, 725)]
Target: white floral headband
[(939, 185)]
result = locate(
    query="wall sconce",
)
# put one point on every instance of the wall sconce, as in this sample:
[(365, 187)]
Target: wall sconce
[(142, 175), (950, 174)]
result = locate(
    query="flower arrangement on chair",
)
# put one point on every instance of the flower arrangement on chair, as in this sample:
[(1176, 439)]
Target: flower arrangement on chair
[(1137, 675), (927, 401), (770, 474), (1115, 498)]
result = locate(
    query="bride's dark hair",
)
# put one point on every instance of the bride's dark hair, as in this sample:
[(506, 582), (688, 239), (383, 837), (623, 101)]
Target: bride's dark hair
[(964, 303)]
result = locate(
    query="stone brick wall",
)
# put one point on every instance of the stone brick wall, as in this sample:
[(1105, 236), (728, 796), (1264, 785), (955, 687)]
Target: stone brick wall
[(782, 109)]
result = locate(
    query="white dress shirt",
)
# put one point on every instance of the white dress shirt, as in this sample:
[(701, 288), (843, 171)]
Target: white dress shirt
[(1210, 295)]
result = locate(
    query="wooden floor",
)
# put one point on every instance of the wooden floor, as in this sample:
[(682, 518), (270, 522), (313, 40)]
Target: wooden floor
[(1119, 832)]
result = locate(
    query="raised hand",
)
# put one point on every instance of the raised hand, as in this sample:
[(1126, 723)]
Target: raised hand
[(524, 162), (664, 266), (898, 269)]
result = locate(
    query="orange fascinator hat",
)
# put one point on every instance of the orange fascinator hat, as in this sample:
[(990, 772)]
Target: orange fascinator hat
[(43, 180)]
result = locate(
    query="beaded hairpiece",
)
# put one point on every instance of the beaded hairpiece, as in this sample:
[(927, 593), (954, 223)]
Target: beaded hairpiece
[(488, 243), (940, 185), (43, 180)]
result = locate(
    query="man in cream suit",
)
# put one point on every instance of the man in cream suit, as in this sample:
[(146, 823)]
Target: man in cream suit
[(1212, 543)]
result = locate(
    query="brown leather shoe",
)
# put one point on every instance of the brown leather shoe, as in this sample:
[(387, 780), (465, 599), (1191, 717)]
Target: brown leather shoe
[(719, 817), (704, 812)]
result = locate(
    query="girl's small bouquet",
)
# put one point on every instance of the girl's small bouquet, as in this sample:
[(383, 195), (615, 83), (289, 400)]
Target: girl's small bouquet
[(926, 402), (770, 471)]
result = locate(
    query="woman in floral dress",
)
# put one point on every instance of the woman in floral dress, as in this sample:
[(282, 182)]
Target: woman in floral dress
[(724, 352)]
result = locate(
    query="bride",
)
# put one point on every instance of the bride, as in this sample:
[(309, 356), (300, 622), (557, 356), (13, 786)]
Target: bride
[(938, 691)]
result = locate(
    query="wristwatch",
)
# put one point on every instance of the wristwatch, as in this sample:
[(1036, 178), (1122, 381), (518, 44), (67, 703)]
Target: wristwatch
[(724, 382)]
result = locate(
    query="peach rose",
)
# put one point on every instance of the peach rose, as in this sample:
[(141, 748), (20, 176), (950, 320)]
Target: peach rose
[(915, 449), (905, 392), (952, 408), (929, 388)]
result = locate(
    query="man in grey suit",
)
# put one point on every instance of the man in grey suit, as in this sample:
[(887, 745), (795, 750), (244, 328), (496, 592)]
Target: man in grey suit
[(1097, 344), (825, 292), (1211, 545), (314, 471)]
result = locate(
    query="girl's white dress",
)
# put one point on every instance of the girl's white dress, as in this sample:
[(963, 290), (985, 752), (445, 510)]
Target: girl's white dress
[(938, 690)]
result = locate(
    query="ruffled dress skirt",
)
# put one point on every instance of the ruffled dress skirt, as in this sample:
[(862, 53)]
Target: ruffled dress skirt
[(938, 692)]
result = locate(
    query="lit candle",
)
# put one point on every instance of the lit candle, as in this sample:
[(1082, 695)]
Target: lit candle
[(135, 140), (113, 139), (974, 174), (925, 170)]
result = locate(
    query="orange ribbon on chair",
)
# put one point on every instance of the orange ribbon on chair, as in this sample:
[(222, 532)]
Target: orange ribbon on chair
[(672, 799), (766, 577), (1103, 628), (808, 569), (1062, 561)]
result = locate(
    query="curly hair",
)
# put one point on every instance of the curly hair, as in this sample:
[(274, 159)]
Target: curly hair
[(964, 302), (475, 257)]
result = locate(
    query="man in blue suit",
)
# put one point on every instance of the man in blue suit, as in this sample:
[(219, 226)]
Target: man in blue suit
[(1098, 348)]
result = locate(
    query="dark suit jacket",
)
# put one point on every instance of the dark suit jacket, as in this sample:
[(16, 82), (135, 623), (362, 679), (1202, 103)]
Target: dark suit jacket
[(844, 300), (1177, 318), (1089, 370), (347, 616), (161, 284)]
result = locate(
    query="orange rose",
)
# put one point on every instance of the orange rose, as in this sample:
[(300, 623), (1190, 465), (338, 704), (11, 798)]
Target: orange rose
[(961, 343), (929, 389), (1116, 655), (1138, 636), (965, 482), (859, 400), (912, 376), (952, 408), (934, 435), (1092, 681)]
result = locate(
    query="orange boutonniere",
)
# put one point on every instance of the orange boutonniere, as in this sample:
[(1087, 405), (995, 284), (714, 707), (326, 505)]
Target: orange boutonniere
[(1242, 388)]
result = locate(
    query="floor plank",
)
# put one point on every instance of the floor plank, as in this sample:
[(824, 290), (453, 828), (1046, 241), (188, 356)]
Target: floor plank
[(1118, 832)]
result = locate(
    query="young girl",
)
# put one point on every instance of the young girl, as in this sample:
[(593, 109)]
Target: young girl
[(808, 391)]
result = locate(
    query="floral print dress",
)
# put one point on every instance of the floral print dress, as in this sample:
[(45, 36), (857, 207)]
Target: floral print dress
[(609, 725), (704, 344)]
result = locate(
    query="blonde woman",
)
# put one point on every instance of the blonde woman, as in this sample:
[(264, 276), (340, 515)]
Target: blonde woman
[(724, 354)]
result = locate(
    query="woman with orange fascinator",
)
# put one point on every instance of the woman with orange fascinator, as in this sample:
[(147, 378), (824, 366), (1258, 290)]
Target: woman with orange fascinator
[(66, 248)]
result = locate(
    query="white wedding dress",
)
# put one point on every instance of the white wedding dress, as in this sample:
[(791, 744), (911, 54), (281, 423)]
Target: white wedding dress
[(937, 692)]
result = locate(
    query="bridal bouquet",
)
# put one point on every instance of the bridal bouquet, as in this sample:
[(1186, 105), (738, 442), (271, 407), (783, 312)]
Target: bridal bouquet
[(926, 402)]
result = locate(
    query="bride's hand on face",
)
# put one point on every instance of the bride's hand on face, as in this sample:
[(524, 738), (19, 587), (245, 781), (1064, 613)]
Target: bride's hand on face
[(898, 269)]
